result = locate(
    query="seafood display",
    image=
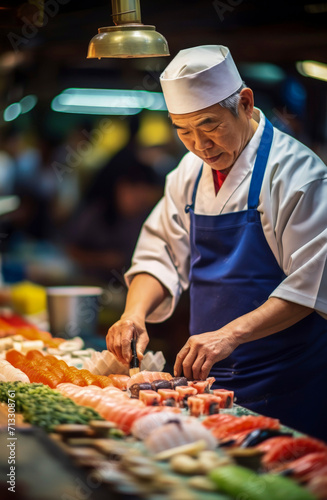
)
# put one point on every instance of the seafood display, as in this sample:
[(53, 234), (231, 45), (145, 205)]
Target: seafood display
[(51, 371), (11, 324), (155, 433), (111, 403)]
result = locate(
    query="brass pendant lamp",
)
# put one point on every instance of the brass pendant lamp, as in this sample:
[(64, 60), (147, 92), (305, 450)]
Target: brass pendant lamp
[(129, 37)]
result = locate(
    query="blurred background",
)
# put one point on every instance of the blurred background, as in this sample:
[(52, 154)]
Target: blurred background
[(77, 182)]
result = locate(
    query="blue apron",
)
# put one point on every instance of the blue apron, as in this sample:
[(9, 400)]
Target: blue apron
[(233, 271)]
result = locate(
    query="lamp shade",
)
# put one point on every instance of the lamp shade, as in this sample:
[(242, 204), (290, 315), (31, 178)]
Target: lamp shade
[(130, 40)]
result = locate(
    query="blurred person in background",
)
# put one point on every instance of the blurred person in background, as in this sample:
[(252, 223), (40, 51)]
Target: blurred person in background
[(102, 232)]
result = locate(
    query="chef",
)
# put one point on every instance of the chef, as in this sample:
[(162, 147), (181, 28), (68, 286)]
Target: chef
[(242, 224)]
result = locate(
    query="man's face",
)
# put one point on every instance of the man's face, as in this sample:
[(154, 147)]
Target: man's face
[(214, 134)]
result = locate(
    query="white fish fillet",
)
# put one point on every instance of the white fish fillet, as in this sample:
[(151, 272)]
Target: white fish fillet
[(177, 434), (145, 425), (12, 374)]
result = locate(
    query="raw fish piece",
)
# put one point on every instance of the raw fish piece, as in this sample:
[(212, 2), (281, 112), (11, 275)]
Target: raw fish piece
[(177, 434), (196, 406), (112, 389), (135, 389), (103, 381), (119, 381), (35, 354), (211, 403), (160, 384), (283, 449), (169, 396), (12, 374), (202, 385), (125, 414), (215, 421), (247, 422), (184, 392), (227, 397), (178, 381), (145, 376), (143, 426), (109, 404), (88, 399), (150, 398), (305, 467)]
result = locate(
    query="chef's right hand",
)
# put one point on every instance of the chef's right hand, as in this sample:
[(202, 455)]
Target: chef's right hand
[(119, 338)]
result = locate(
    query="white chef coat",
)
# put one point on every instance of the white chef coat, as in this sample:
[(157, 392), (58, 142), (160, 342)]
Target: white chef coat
[(292, 206)]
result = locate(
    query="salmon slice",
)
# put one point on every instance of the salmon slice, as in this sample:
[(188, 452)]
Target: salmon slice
[(227, 397), (248, 422), (202, 386), (169, 397), (150, 398), (215, 421), (212, 403), (14, 356), (285, 449), (119, 381), (196, 406), (34, 355)]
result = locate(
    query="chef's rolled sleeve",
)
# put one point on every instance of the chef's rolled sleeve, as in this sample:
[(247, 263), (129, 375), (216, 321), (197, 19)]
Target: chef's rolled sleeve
[(159, 271), (301, 230)]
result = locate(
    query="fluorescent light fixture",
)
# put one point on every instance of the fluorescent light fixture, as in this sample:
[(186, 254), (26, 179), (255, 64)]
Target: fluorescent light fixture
[(264, 72), (313, 69), (28, 103), (107, 101), (12, 112)]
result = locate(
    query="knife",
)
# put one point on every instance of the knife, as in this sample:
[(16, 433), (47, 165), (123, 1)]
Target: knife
[(134, 366)]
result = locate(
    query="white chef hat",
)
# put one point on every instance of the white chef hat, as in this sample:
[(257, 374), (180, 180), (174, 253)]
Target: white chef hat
[(199, 77)]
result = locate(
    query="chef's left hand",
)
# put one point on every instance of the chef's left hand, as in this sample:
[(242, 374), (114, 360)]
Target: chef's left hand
[(202, 351)]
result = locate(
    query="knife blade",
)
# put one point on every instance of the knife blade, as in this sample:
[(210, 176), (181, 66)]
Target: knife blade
[(134, 366)]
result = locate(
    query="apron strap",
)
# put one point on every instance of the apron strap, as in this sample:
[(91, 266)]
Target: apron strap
[(260, 165), (258, 169), (187, 207)]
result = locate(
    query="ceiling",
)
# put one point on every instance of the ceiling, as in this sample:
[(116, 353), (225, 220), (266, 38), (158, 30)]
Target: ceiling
[(53, 56)]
